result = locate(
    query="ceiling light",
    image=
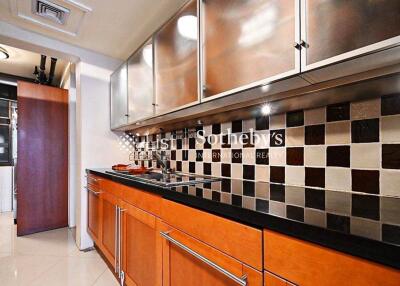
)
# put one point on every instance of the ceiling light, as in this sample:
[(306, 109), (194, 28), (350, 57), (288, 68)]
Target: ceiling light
[(187, 27), (266, 109), (265, 88), (3, 54)]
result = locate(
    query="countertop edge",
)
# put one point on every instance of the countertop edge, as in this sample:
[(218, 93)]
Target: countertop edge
[(365, 248)]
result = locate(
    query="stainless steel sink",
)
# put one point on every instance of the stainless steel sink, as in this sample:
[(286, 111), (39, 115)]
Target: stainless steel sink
[(168, 180)]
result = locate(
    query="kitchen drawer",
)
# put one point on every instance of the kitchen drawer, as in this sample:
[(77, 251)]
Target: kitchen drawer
[(111, 187), (188, 261), (94, 180), (146, 201), (305, 263), (235, 239)]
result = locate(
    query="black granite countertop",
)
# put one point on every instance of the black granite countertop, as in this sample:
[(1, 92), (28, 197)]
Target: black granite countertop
[(283, 209)]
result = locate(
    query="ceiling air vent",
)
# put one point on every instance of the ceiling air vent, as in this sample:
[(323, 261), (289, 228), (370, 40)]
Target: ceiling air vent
[(51, 11)]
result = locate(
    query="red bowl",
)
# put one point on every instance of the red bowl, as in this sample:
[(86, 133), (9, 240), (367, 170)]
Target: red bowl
[(120, 167), (139, 171)]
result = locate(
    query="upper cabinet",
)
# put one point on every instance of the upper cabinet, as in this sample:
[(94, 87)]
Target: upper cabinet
[(176, 60), (214, 48), (248, 43), (119, 97), (336, 30), (140, 83)]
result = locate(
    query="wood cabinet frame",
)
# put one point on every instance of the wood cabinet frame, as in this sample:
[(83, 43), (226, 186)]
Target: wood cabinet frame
[(152, 222), (108, 250), (237, 268), (94, 194)]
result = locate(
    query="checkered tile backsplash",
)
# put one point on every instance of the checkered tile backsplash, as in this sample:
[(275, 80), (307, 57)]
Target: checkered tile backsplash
[(341, 162)]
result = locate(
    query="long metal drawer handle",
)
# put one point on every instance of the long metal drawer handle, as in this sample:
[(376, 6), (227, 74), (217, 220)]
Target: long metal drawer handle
[(94, 192), (121, 272), (116, 240), (239, 280)]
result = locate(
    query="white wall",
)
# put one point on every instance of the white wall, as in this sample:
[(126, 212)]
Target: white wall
[(97, 146), (69, 82), (5, 189), (92, 144)]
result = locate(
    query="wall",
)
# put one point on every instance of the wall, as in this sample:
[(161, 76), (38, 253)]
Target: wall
[(69, 82), (97, 146), (5, 189), (337, 166)]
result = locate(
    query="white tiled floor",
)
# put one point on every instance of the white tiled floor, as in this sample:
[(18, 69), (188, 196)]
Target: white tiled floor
[(48, 258)]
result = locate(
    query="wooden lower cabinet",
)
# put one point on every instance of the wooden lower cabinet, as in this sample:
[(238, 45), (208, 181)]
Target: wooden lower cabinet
[(169, 244), (94, 215), (305, 263), (181, 268), (141, 247), (108, 222)]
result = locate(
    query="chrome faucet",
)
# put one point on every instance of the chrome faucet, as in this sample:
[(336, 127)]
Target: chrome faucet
[(162, 159)]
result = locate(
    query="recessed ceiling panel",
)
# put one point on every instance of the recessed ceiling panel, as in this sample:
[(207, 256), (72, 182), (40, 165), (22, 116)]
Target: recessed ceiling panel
[(62, 16), (114, 28)]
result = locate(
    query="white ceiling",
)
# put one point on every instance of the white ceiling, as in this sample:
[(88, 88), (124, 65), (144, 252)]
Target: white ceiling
[(22, 63), (111, 27)]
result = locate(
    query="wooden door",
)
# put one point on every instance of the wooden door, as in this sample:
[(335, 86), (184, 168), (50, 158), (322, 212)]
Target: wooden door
[(42, 168), (141, 248), (182, 268), (94, 213), (109, 226)]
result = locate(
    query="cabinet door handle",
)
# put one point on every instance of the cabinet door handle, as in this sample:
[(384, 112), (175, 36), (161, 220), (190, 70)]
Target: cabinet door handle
[(116, 266), (120, 210), (239, 280), (93, 192), (304, 44)]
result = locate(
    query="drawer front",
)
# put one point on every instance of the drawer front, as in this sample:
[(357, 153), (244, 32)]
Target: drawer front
[(146, 201), (305, 263), (94, 180), (111, 187), (237, 240), (201, 263)]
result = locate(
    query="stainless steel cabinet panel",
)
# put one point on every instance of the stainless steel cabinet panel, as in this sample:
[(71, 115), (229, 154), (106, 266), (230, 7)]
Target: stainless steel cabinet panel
[(338, 29), (140, 83), (176, 60), (119, 97), (247, 43)]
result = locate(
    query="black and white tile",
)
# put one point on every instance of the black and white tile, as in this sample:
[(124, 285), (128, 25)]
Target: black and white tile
[(343, 161)]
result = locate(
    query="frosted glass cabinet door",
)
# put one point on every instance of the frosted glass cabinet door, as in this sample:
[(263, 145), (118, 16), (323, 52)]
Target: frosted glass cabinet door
[(335, 27), (175, 51), (119, 97), (140, 83), (247, 43)]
